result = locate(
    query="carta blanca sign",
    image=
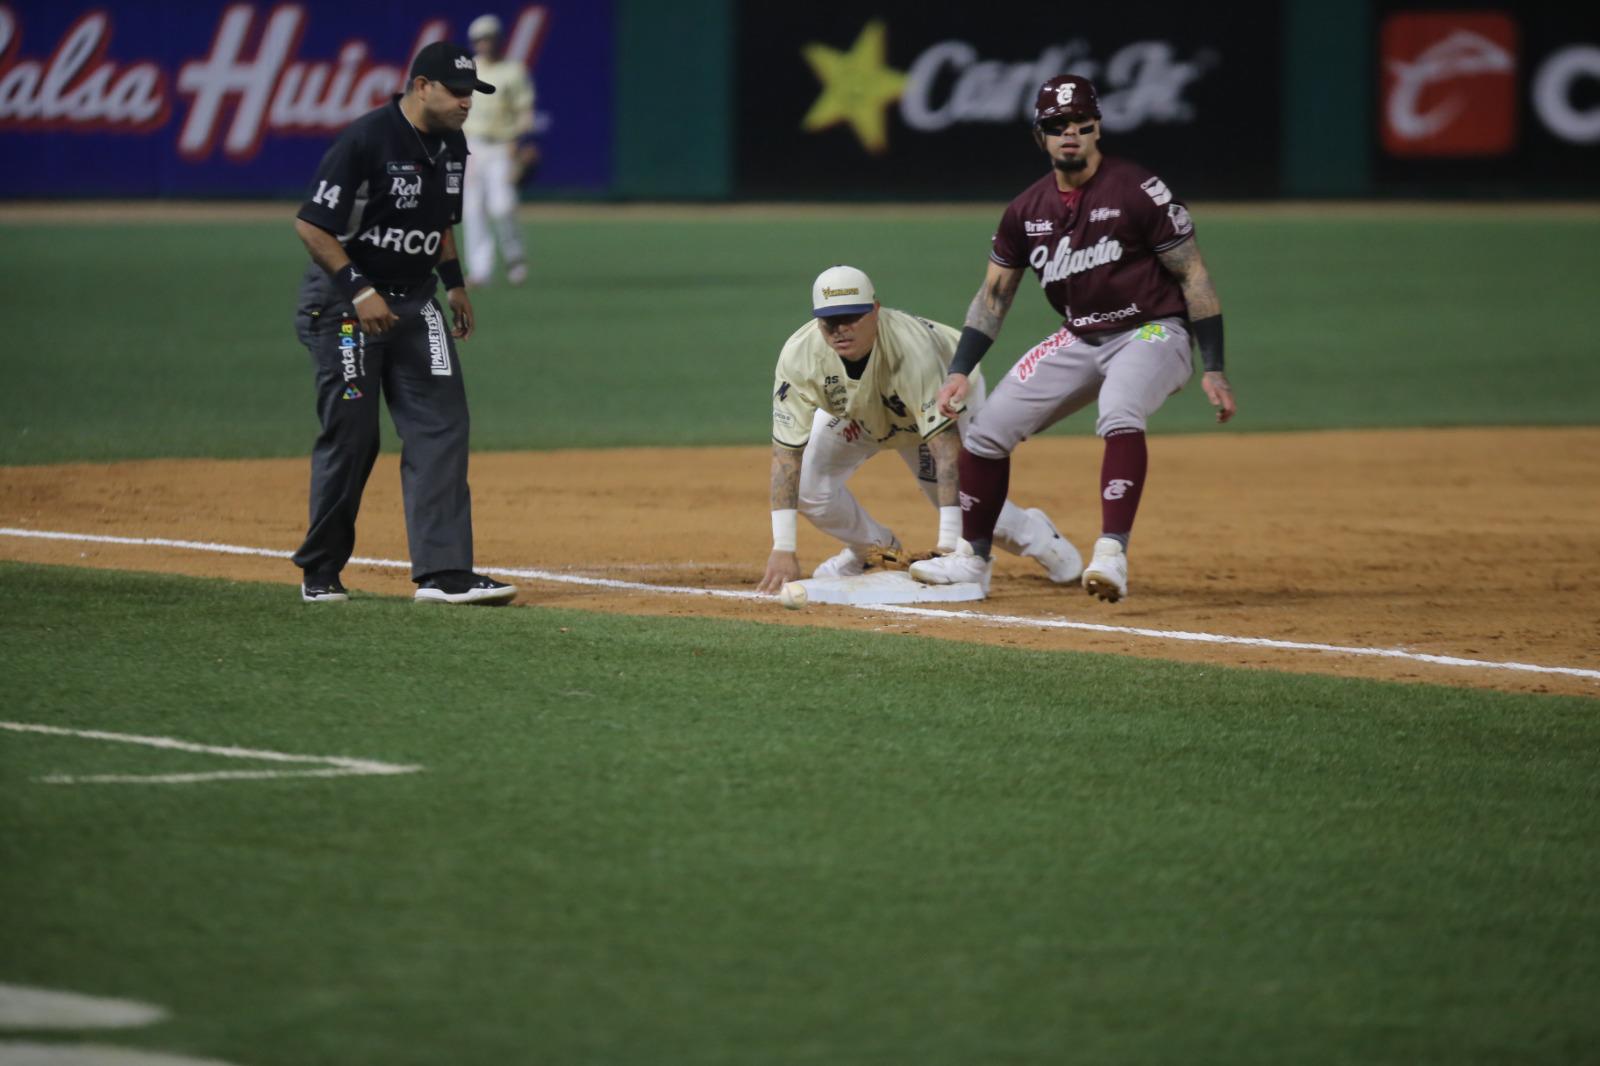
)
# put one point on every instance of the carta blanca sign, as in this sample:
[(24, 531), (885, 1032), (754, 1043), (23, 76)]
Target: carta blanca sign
[(123, 100), (939, 102)]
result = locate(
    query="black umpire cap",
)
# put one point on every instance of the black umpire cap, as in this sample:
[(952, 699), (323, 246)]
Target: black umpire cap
[(451, 65)]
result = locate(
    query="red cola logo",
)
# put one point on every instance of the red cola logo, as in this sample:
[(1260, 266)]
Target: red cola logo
[(251, 83)]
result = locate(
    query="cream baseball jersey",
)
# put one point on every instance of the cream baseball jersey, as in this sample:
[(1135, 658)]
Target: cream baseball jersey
[(895, 395), (508, 114)]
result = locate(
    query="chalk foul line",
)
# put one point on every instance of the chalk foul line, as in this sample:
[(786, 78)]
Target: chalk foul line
[(325, 765), (1000, 620)]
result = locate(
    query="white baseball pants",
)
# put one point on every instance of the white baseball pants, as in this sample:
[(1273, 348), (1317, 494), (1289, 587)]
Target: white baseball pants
[(834, 454), (489, 209)]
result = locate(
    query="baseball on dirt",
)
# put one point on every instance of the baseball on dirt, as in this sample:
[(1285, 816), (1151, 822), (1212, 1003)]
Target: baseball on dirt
[(793, 595)]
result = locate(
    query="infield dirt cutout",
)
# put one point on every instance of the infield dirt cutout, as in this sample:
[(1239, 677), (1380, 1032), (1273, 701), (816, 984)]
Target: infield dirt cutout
[(1482, 544)]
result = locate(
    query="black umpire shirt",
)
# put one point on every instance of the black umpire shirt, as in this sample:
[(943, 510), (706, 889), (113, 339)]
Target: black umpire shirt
[(388, 192)]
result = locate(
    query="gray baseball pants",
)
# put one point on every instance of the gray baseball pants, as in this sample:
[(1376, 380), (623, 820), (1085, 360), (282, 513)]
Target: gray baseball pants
[(414, 367), (1130, 372)]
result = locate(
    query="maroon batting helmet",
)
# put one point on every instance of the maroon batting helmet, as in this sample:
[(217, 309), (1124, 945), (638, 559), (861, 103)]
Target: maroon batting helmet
[(1066, 95)]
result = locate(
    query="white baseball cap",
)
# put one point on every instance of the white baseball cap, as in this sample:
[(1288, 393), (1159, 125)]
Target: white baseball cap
[(483, 26), (841, 290)]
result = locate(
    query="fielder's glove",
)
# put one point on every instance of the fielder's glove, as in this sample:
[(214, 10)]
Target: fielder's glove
[(886, 558), (892, 558)]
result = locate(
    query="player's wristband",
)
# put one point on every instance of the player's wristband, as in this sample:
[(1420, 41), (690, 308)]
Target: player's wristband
[(1208, 335), (351, 281), (363, 294), (949, 528), (969, 349), (449, 271), (784, 533)]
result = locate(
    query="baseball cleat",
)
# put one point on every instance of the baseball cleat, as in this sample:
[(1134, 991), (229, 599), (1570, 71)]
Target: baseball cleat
[(323, 590), (846, 564), (463, 586), (1107, 573), (959, 567), (1053, 551)]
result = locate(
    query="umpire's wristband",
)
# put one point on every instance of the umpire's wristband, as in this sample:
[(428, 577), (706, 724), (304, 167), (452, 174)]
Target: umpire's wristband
[(969, 349), (449, 271), (1208, 335), (351, 281)]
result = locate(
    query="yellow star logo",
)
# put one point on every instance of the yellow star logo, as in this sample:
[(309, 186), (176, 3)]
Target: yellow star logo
[(857, 87)]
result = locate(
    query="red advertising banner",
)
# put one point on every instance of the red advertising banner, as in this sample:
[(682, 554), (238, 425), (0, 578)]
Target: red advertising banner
[(1449, 83)]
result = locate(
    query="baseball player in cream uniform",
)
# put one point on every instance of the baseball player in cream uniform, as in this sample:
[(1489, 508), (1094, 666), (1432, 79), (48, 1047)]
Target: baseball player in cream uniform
[(859, 379), (489, 201)]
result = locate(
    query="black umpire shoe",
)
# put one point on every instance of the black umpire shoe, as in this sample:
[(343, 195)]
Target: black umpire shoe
[(463, 586), (322, 590)]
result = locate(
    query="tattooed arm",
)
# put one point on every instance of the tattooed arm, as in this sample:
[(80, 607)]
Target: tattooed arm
[(945, 447), (1205, 319), (984, 317), (989, 307), (783, 564), (1185, 264), (785, 477)]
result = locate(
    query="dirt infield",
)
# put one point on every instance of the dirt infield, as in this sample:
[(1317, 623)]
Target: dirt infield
[(1482, 544)]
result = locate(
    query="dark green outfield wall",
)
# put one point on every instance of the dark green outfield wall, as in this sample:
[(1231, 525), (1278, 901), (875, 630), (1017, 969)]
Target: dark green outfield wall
[(710, 95), (679, 142)]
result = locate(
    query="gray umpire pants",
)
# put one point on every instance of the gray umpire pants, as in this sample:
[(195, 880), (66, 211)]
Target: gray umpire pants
[(415, 368)]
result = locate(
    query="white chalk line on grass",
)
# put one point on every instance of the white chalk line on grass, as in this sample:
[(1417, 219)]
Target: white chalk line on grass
[(1002, 620), (327, 765)]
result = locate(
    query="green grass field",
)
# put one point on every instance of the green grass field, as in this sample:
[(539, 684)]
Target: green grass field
[(656, 840), (676, 840), (146, 340)]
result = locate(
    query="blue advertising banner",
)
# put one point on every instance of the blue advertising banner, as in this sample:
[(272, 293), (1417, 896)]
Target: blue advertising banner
[(203, 98)]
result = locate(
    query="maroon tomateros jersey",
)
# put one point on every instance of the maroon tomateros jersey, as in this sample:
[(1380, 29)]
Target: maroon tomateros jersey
[(1094, 248)]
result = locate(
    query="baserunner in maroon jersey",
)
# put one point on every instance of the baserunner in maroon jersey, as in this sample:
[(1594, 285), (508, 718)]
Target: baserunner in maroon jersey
[(1115, 253)]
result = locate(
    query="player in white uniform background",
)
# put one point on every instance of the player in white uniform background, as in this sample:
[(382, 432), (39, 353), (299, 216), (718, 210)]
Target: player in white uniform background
[(489, 201), (857, 380)]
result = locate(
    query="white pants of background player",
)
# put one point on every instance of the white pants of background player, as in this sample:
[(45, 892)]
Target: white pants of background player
[(489, 211), (832, 456)]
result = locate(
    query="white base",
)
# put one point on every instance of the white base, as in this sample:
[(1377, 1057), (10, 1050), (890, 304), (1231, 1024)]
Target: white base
[(886, 586)]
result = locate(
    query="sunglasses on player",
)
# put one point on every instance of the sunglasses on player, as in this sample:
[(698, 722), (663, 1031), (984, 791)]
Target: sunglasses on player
[(1062, 126)]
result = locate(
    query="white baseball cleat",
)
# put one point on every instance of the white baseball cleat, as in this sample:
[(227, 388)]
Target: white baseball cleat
[(846, 564), (959, 567), (1107, 574), (1052, 551)]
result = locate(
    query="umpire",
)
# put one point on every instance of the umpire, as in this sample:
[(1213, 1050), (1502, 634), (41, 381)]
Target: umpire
[(378, 227)]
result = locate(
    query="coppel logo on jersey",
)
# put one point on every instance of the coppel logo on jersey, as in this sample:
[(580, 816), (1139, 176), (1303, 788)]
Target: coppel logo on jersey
[(1449, 83)]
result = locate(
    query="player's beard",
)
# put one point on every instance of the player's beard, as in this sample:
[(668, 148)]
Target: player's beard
[(1071, 164)]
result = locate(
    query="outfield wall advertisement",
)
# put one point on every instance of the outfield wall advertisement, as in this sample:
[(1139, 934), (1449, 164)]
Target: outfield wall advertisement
[(1488, 98), (908, 99), (210, 99)]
